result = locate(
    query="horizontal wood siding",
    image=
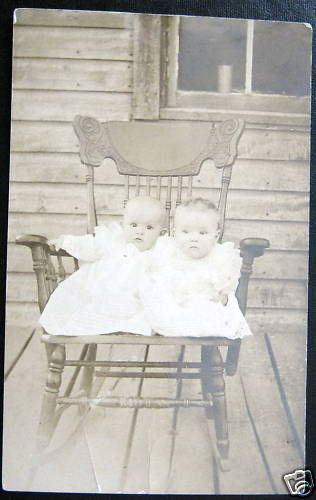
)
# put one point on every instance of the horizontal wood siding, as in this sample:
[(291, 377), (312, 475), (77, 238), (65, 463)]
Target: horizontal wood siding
[(71, 74), (84, 64), (53, 17), (75, 43)]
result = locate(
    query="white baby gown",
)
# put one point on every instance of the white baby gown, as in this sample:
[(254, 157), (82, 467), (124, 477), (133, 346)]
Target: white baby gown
[(102, 296), (177, 292)]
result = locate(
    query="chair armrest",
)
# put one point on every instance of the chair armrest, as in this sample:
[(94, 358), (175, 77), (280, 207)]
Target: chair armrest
[(253, 246), (40, 254), (250, 248), (31, 240), (36, 240)]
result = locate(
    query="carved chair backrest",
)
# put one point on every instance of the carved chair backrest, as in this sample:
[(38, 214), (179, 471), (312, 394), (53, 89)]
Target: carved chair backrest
[(158, 158)]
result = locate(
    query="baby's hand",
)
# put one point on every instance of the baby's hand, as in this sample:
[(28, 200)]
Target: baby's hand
[(223, 298)]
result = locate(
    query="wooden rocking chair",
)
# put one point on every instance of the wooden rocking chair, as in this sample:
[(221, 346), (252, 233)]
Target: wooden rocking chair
[(169, 154)]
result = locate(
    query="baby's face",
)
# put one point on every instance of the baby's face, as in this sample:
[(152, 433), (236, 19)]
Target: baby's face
[(196, 232), (142, 225)]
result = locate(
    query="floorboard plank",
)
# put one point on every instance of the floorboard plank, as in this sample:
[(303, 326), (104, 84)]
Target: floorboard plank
[(291, 366), (266, 410)]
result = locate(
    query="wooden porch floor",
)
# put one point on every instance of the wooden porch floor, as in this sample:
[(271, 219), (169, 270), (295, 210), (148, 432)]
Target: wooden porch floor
[(169, 451)]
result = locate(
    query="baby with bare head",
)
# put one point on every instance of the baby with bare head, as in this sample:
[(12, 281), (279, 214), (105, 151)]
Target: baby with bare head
[(189, 290), (102, 296)]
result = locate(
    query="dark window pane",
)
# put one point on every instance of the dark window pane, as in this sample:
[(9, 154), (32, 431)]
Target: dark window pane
[(206, 44), (281, 58)]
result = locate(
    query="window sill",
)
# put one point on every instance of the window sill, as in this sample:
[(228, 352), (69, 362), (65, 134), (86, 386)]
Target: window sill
[(253, 119)]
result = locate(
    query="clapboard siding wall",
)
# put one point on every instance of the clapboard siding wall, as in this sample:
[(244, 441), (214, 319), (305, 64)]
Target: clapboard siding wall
[(84, 65)]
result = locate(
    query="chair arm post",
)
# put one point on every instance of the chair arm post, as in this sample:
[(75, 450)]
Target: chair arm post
[(250, 248), (39, 249)]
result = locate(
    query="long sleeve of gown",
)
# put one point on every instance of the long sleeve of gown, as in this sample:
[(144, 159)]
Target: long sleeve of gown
[(85, 248), (107, 240)]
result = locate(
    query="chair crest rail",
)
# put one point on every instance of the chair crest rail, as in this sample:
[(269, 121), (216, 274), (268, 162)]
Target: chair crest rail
[(157, 148)]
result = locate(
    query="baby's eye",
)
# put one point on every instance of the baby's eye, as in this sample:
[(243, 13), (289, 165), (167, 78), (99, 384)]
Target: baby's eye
[(149, 227), (203, 233), (133, 224), (185, 231)]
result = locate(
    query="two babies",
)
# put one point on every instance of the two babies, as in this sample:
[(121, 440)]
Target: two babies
[(133, 280)]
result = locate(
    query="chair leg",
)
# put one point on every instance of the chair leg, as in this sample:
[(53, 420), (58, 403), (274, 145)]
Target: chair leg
[(212, 375), (49, 349), (87, 375), (47, 421)]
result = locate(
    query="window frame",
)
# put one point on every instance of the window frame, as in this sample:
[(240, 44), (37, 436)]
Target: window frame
[(254, 107)]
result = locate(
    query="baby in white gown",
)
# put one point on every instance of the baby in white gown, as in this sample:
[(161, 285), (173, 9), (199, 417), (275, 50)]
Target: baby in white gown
[(102, 296), (189, 287)]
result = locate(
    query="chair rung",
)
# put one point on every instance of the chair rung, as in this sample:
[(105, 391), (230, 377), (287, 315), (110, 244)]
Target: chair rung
[(136, 402), (176, 375), (134, 364)]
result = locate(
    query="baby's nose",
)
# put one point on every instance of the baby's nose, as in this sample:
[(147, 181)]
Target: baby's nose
[(194, 237), (139, 230)]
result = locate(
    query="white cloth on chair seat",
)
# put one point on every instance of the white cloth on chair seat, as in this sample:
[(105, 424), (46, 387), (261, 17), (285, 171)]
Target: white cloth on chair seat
[(101, 297), (178, 292)]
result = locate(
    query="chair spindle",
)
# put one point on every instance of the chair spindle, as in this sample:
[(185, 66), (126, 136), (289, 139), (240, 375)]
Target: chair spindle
[(50, 275), (148, 185), (126, 189), (158, 188), (137, 186), (61, 269), (179, 191), (168, 202), (190, 183), (226, 176), (92, 215)]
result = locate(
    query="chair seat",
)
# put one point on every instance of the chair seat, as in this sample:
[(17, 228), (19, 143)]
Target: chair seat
[(127, 338)]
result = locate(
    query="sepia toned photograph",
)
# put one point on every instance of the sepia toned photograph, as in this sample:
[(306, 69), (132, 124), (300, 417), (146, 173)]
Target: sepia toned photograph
[(157, 255)]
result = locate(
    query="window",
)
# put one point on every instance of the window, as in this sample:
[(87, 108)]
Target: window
[(237, 66)]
